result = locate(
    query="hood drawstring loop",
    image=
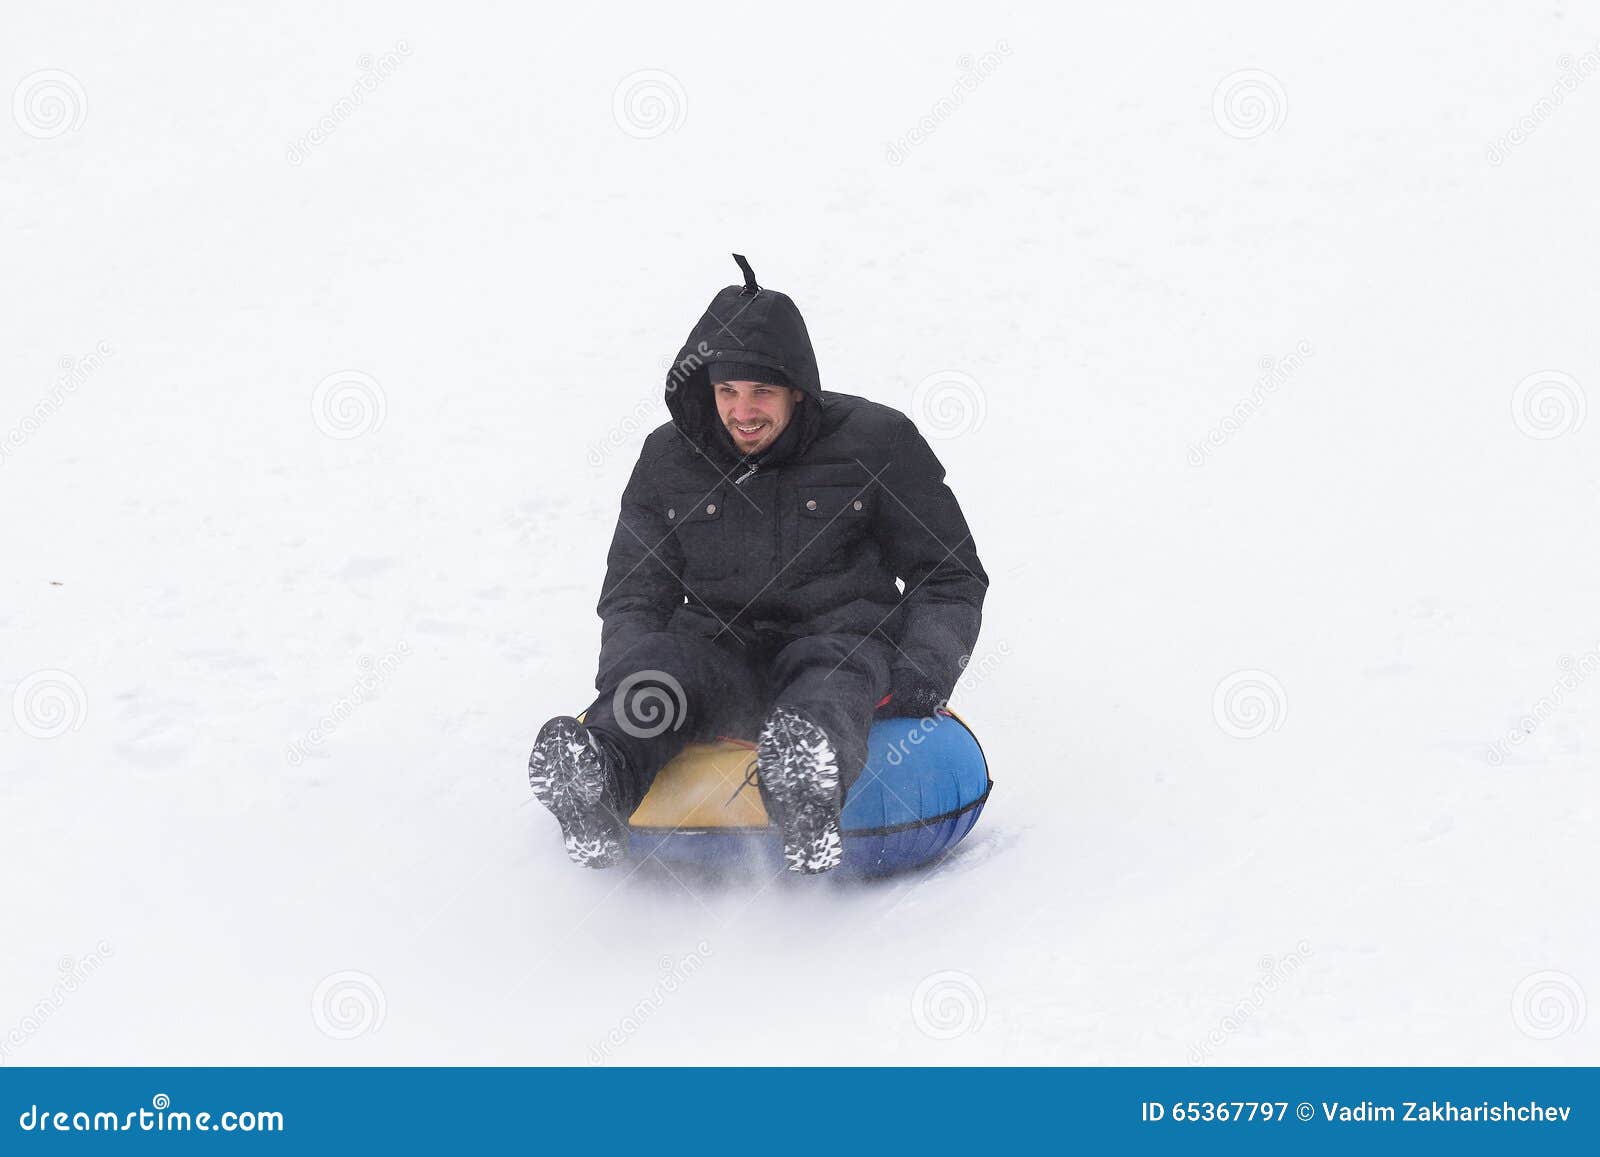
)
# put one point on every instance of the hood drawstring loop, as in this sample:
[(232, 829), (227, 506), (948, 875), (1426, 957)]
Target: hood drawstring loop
[(750, 285)]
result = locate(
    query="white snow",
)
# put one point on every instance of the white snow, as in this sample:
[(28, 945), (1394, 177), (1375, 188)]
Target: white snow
[(195, 571)]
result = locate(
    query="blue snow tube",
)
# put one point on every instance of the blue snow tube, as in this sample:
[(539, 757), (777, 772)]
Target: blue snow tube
[(923, 787)]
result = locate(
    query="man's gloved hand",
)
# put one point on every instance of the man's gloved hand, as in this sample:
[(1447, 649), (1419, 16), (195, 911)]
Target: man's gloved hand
[(911, 696)]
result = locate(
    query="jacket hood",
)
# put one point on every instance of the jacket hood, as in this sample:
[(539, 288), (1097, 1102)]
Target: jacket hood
[(744, 323)]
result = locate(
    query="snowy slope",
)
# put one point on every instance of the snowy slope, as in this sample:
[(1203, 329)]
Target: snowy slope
[(1087, 253)]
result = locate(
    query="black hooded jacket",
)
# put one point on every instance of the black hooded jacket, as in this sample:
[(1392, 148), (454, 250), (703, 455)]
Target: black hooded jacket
[(804, 538)]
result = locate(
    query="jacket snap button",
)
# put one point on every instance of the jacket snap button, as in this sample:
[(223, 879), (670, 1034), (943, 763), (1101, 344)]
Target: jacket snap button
[(856, 504), (711, 508), (671, 513), (811, 504)]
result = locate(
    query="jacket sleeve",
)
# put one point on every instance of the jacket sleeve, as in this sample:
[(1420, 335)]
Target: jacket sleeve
[(642, 567), (924, 536)]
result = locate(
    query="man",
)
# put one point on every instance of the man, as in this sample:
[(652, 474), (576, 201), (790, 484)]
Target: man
[(751, 583)]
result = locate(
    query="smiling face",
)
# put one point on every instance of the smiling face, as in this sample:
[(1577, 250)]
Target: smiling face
[(754, 413)]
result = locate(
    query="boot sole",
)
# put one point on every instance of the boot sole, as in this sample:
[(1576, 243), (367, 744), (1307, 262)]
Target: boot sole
[(568, 776), (805, 792)]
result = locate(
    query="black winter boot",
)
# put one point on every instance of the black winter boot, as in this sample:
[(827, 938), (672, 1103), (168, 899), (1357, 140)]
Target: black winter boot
[(573, 773), (799, 771)]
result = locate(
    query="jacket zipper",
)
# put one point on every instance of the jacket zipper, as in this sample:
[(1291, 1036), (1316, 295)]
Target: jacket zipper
[(777, 523), (777, 528)]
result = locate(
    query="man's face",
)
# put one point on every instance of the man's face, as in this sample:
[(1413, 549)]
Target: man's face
[(754, 413)]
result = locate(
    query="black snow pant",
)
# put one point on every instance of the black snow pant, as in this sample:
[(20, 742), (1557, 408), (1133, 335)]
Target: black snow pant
[(676, 687)]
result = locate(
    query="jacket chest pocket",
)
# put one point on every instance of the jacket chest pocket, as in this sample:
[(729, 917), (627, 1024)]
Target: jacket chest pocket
[(697, 522), (830, 523)]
